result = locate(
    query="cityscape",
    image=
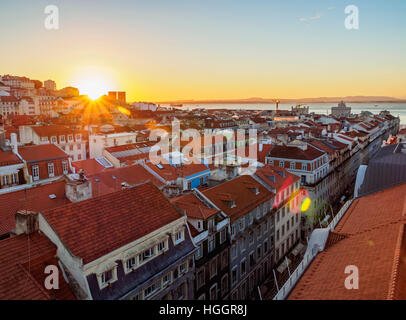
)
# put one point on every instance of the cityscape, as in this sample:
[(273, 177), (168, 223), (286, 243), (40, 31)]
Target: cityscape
[(107, 193)]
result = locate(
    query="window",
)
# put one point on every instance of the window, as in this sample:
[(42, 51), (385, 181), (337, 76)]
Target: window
[(200, 278), (213, 268), (234, 275), (199, 252), (211, 243), (265, 246), (5, 180), (149, 291), (252, 259), (283, 230), (71, 147), (281, 164), (234, 250), (292, 165), (53, 139), (35, 172), (14, 178), (65, 166), (259, 232), (179, 237), (70, 137), (251, 237), (161, 246), (259, 252), (166, 279), (233, 230), (78, 136), (224, 284), (243, 267), (106, 277), (242, 244), (131, 263), (79, 146), (62, 139), (223, 235), (213, 292), (224, 259), (277, 235), (50, 169), (147, 254), (182, 268)]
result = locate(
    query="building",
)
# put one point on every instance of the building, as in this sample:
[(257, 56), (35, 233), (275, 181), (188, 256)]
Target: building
[(44, 162), (70, 140), (303, 160), (209, 229), (50, 85), (132, 244), (99, 141), (287, 207), (11, 170), (248, 204), (341, 110), (9, 105), (119, 96), (364, 251)]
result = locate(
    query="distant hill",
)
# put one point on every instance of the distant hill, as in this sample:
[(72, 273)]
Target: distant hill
[(353, 99)]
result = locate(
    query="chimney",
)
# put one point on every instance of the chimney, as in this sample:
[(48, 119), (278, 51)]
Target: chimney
[(78, 187), (26, 222), (13, 143)]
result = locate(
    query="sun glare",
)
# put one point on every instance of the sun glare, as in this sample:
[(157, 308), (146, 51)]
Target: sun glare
[(94, 85)]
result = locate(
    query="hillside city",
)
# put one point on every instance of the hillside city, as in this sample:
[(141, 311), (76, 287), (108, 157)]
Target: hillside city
[(261, 205)]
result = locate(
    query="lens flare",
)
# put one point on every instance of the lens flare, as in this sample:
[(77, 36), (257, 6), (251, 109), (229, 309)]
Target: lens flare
[(306, 204)]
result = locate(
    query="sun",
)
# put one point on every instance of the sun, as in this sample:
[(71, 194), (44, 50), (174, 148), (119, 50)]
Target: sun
[(93, 83)]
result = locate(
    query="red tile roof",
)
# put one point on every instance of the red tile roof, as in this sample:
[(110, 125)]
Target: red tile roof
[(8, 158), (52, 130), (238, 190), (22, 269), (193, 207), (291, 152), (90, 166), (95, 227), (132, 175), (375, 242), (41, 152), (34, 199)]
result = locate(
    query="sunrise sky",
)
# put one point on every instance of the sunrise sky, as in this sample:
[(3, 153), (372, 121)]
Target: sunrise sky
[(210, 49)]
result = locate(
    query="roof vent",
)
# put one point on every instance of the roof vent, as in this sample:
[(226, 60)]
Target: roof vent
[(52, 196)]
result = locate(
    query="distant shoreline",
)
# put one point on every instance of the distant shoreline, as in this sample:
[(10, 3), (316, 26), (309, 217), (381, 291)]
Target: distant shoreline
[(287, 101)]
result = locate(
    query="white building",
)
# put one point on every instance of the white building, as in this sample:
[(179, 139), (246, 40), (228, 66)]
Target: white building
[(97, 142), (69, 140)]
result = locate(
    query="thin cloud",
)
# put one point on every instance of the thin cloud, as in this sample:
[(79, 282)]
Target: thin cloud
[(310, 19)]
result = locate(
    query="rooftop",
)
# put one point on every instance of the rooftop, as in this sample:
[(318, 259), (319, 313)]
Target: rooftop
[(374, 240), (95, 227)]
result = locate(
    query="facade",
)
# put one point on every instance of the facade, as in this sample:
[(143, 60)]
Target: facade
[(248, 204), (50, 85), (341, 110), (71, 141), (151, 260), (44, 162), (209, 229), (98, 142), (9, 105), (287, 207)]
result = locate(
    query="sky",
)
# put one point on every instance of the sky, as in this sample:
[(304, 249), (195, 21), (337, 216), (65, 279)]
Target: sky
[(160, 50)]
